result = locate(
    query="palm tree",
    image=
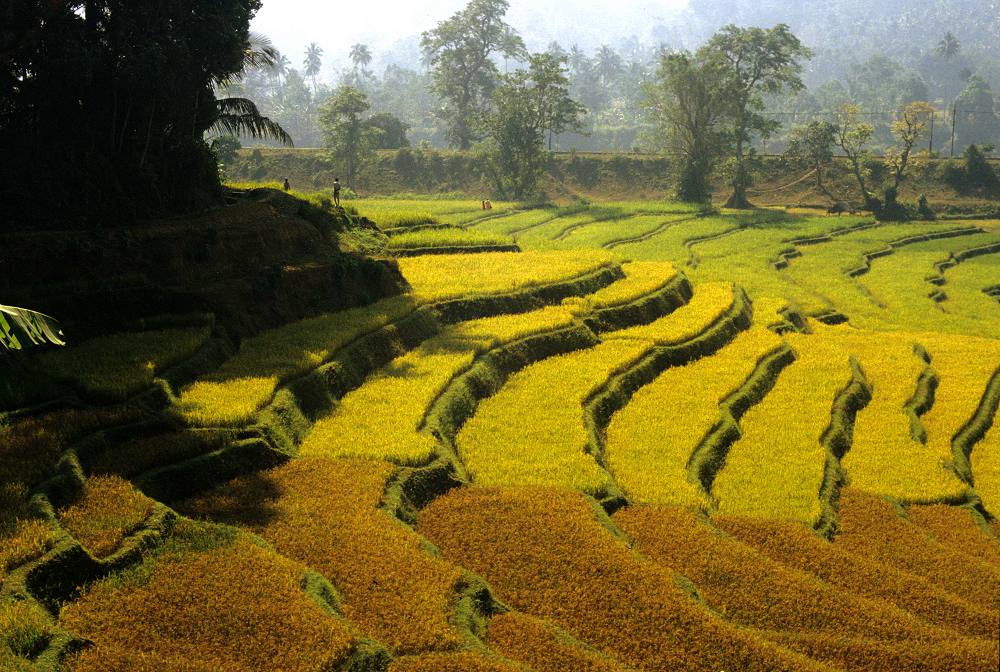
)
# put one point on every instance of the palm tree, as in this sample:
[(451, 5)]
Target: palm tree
[(21, 328), (278, 71), (608, 63), (578, 61), (240, 116), (361, 56), (949, 47), (313, 63)]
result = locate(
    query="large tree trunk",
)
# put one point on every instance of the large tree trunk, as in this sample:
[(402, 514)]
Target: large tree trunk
[(738, 200)]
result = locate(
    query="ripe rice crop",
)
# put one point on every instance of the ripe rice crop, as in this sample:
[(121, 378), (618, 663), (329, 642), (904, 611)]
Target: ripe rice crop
[(452, 276), (603, 232), (857, 654), (986, 469), (899, 284), (955, 526), (821, 270), (797, 546), (710, 302), (381, 418), (110, 510), (668, 245), (114, 367), (641, 279), (31, 446), (965, 284), (135, 457), (238, 608), (429, 238), (324, 513), (454, 662), (24, 631), (22, 536), (750, 589), (965, 366), (882, 434), (651, 440), (533, 431), (653, 207), (544, 235), (871, 526), (545, 554), (776, 469), (514, 222), (544, 646), (246, 382), (746, 256), (397, 213)]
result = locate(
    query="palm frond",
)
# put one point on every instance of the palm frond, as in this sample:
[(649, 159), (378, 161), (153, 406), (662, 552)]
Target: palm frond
[(260, 53), (22, 328), (240, 117)]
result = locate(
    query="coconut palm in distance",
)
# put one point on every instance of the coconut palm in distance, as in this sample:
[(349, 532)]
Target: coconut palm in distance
[(313, 63), (361, 57)]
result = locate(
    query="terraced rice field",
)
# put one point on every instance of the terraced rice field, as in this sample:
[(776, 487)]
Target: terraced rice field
[(654, 439)]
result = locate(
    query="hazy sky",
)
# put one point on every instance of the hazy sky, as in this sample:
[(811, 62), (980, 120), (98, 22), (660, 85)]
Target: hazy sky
[(292, 24)]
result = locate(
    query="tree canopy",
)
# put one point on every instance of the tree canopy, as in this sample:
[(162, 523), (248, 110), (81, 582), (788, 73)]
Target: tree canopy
[(460, 52), (346, 131), (104, 105), (753, 62)]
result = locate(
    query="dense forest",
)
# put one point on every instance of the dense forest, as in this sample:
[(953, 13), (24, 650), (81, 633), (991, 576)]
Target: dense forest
[(879, 56)]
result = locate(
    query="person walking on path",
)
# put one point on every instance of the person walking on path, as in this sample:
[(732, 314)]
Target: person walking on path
[(336, 191), (288, 185)]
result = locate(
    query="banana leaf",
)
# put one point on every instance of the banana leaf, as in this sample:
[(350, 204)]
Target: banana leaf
[(21, 328)]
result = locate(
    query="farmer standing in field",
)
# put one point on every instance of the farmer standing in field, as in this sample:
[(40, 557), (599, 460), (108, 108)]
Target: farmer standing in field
[(336, 191), (288, 185)]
